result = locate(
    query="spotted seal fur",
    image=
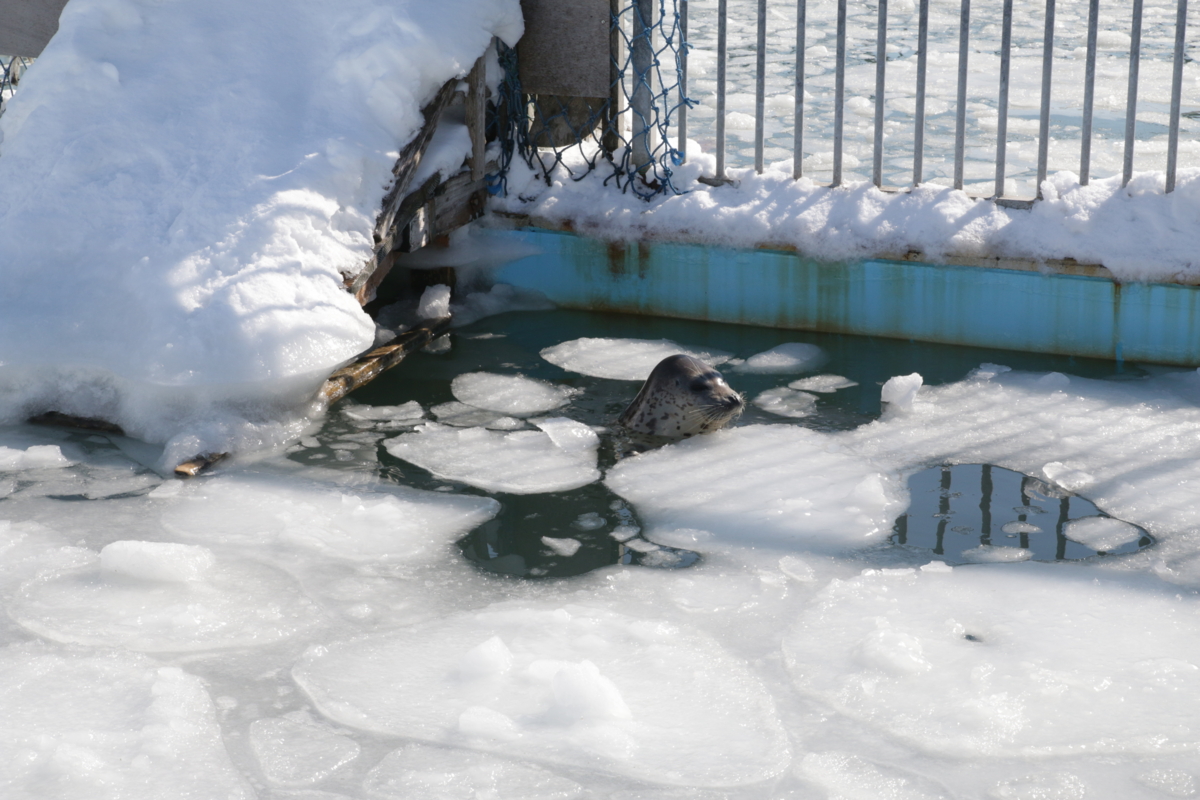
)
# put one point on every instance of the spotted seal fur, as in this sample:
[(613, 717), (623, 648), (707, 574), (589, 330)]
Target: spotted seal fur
[(682, 397)]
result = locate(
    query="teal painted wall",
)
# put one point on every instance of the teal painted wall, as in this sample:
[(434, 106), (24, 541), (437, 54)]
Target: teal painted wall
[(1013, 309)]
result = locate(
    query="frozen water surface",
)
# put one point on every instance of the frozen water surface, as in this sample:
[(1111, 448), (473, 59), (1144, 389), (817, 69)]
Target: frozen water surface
[(576, 686), (509, 394), (331, 621)]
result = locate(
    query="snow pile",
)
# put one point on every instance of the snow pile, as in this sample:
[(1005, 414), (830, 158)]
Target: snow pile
[(215, 185), (575, 686), (1137, 231), (623, 359), (561, 456)]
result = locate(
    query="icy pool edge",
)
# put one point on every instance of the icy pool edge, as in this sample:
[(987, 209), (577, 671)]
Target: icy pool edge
[(1015, 309)]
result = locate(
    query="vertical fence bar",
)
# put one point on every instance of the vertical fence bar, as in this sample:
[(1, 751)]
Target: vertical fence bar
[(919, 128), (1044, 119), (1176, 91), (880, 66), (722, 20), (798, 118), (839, 94), (683, 78), (642, 99), (1002, 102), (960, 122), (1089, 94), (1135, 52), (760, 87)]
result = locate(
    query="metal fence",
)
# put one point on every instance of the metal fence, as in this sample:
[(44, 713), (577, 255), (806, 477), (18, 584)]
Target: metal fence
[(777, 21), (11, 70)]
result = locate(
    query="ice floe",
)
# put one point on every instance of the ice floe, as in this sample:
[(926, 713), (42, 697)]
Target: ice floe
[(784, 358), (1072, 661), (729, 483), (513, 395), (108, 726), (786, 402), (560, 456), (440, 773), (164, 597), (576, 686), (299, 752), (623, 359), (375, 521)]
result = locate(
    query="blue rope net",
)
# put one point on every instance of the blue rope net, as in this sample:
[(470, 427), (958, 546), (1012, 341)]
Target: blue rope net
[(579, 135)]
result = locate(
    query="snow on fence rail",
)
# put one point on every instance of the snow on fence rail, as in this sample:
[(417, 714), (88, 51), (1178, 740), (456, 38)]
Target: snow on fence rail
[(772, 21)]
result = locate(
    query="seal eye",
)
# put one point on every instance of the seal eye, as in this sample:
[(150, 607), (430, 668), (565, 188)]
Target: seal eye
[(699, 385)]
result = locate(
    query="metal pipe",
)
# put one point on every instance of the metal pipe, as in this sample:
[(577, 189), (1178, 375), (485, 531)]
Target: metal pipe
[(880, 66), (922, 58), (839, 94), (722, 19), (1135, 52), (798, 119), (760, 87), (1089, 93), (683, 76), (1002, 102), (960, 122), (642, 100), (1176, 90), (1044, 120)]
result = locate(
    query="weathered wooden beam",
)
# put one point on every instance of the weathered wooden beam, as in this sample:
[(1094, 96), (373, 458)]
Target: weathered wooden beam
[(60, 420), (370, 365), (476, 112), (192, 468), (454, 203)]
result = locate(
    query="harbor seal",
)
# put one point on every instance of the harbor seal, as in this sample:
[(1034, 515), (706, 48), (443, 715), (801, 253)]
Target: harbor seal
[(682, 397)]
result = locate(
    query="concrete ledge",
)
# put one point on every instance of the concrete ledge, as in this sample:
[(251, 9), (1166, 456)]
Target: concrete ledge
[(1065, 308)]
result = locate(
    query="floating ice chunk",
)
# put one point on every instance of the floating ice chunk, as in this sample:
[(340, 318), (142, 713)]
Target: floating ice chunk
[(996, 554), (1067, 477), (38, 456), (623, 359), (1054, 381), (488, 660), (564, 546), (406, 412), (1101, 533), (1020, 527), (788, 357), (1027, 676), (849, 777), (761, 484), (435, 302), (461, 415), (589, 521), (586, 688), (299, 753), (786, 402), (900, 391), (523, 462), (131, 603), (156, 561), (985, 372), (108, 726), (436, 773), (372, 522), (514, 395), (822, 383)]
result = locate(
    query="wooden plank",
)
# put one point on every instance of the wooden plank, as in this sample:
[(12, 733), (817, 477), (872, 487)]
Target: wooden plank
[(476, 110), (371, 365)]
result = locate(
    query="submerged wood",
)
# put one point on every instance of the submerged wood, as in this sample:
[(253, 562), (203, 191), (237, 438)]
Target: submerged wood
[(373, 363)]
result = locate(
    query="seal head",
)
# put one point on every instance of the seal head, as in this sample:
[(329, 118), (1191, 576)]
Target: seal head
[(682, 397)]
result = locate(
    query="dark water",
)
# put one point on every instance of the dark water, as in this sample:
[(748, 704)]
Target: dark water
[(510, 344)]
